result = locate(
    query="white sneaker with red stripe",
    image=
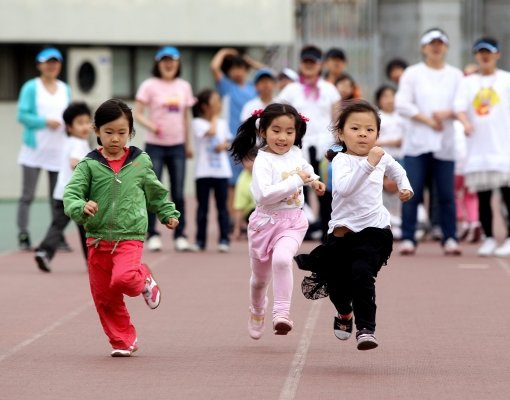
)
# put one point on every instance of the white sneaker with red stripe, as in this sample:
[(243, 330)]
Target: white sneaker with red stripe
[(125, 352), (151, 292)]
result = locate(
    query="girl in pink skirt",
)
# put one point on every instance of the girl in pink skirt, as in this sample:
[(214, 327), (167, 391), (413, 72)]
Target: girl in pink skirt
[(278, 225)]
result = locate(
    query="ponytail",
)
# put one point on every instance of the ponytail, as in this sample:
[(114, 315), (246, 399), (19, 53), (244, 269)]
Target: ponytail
[(245, 140)]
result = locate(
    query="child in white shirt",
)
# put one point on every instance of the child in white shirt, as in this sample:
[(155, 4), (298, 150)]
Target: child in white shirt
[(278, 225), (359, 238), (212, 166)]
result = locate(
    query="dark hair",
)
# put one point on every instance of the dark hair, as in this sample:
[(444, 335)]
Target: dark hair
[(395, 63), (111, 110), (380, 91), (73, 110), (203, 98), (157, 73), (353, 106), (232, 61), (246, 138), (348, 77)]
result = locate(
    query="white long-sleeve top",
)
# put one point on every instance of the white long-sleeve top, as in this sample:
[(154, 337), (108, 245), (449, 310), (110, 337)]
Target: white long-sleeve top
[(275, 182), (425, 90), (357, 191)]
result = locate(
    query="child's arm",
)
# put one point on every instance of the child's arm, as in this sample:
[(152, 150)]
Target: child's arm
[(217, 60), (397, 173), (347, 179), (76, 205)]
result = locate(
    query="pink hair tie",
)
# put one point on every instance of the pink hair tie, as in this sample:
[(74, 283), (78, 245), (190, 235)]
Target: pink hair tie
[(257, 113), (303, 118)]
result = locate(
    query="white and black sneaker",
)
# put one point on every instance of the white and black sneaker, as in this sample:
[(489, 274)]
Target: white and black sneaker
[(42, 260), (366, 339), (342, 328)]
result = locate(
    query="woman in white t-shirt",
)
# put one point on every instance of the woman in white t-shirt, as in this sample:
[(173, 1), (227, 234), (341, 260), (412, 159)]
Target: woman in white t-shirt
[(41, 102), (168, 100), (425, 96), (483, 106), (212, 166)]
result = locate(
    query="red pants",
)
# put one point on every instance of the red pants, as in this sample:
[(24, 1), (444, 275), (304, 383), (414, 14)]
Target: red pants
[(113, 275)]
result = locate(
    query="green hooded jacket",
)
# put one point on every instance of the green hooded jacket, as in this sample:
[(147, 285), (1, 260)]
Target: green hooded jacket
[(123, 199)]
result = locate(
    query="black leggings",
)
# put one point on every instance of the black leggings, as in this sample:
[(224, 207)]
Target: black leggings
[(485, 209)]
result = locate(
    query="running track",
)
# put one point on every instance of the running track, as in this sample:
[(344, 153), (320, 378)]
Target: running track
[(443, 328)]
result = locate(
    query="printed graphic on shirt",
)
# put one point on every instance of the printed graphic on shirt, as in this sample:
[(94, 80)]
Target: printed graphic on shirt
[(294, 198), (172, 104), (485, 99)]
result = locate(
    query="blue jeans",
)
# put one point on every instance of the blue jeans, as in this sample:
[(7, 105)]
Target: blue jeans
[(220, 188), (174, 158), (442, 173)]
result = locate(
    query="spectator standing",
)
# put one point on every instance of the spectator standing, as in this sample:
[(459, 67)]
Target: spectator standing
[(425, 95), (265, 83), (483, 107), (167, 98), (41, 103), (212, 166)]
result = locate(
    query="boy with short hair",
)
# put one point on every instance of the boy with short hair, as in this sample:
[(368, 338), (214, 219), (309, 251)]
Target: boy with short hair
[(77, 118)]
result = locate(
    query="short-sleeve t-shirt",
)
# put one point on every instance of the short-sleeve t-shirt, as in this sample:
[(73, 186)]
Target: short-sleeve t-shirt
[(168, 102)]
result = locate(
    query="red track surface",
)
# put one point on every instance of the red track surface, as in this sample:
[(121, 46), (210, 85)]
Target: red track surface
[(443, 328)]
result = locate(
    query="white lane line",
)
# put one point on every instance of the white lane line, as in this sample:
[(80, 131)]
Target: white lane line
[(58, 323), (504, 265), (473, 266), (45, 331), (291, 383)]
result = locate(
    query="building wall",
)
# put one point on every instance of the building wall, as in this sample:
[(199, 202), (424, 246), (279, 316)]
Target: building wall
[(181, 22)]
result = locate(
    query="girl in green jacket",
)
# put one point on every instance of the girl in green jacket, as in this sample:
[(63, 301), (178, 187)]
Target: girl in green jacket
[(109, 193)]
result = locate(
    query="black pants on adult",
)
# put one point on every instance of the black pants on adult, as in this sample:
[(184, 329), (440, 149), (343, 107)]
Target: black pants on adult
[(485, 210), (54, 234), (358, 257)]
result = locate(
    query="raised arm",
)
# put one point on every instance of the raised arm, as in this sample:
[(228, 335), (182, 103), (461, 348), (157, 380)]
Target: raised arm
[(217, 60)]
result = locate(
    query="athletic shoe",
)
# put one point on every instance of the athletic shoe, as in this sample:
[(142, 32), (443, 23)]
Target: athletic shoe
[(42, 260), (342, 327), (125, 352), (181, 244), (255, 325), (24, 242), (451, 248), (223, 248), (407, 248), (151, 292), (282, 325), (154, 243), (504, 249), (366, 339), (195, 248), (487, 248)]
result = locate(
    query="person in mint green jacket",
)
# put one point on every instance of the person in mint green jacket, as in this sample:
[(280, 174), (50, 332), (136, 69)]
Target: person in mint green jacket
[(40, 109), (109, 193)]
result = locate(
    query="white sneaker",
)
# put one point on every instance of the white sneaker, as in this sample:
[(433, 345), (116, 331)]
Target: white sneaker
[(451, 247), (182, 244), (504, 249), (154, 243), (223, 248), (487, 248), (407, 248)]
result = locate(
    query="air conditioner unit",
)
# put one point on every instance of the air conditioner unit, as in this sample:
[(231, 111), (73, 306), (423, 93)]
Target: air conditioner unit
[(89, 73)]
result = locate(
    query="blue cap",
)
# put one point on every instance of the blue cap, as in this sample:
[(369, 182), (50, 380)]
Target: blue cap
[(167, 51), (48, 54), (263, 73), (488, 44)]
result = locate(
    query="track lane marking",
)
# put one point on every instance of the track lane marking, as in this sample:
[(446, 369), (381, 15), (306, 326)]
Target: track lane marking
[(296, 368)]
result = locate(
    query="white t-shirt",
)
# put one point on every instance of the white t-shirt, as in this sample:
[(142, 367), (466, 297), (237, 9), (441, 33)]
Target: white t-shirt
[(486, 100), (74, 149), (319, 112), (392, 128), (50, 142), (252, 105), (209, 163), (357, 191), (424, 90), (275, 183)]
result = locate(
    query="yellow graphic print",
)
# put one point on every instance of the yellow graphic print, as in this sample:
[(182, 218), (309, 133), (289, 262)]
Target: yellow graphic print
[(294, 198), (485, 99), (172, 104)]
